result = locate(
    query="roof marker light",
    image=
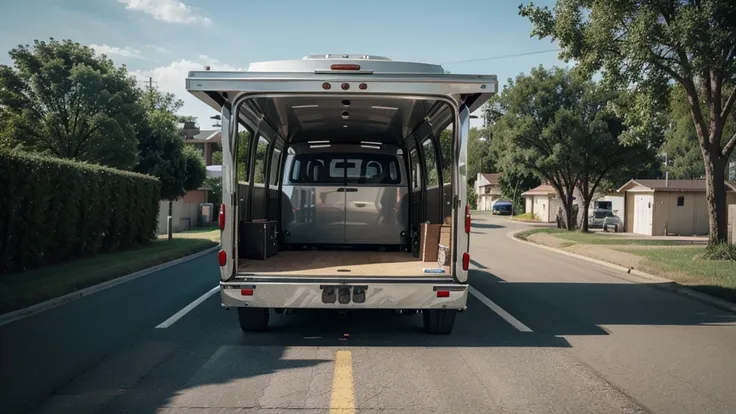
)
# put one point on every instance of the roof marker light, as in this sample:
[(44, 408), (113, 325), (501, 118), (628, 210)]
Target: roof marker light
[(344, 66), (363, 86), (345, 86), (326, 86)]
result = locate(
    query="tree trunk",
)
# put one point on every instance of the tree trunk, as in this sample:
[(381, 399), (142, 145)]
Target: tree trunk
[(584, 219), (715, 194), (570, 222)]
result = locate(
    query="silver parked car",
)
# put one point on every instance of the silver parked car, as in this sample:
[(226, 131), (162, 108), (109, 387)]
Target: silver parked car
[(613, 222)]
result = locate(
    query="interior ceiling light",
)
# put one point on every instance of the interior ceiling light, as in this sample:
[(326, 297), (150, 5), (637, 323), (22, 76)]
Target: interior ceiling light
[(318, 142), (388, 108), (304, 106)]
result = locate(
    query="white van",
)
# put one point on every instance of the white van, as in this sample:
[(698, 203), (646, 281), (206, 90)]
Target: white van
[(344, 185)]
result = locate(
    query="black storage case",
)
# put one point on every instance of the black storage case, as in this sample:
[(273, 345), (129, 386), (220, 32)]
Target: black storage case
[(258, 239)]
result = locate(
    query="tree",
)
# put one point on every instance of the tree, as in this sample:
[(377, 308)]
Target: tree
[(513, 183), (196, 171), (647, 45), (62, 100), (562, 128), (683, 154), (161, 145)]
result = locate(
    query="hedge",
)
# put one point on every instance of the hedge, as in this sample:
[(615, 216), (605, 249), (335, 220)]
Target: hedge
[(55, 210)]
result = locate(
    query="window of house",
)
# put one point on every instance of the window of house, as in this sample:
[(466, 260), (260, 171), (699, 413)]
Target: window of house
[(680, 201)]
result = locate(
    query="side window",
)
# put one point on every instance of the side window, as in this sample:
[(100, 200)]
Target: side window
[(429, 159), (393, 171), (680, 201), (275, 161), (446, 141), (261, 151), (296, 170), (416, 176), (241, 160)]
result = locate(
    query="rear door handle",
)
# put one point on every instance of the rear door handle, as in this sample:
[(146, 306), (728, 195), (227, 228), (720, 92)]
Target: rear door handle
[(351, 190)]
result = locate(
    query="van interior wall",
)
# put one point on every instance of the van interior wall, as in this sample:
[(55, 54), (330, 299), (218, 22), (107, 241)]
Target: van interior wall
[(429, 203)]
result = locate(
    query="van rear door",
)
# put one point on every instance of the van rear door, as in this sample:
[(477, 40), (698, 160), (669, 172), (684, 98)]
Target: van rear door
[(463, 237)]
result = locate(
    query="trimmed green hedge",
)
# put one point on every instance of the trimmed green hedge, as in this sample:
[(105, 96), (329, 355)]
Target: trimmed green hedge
[(55, 210)]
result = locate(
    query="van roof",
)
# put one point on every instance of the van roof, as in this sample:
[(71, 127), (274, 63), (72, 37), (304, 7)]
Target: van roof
[(367, 63)]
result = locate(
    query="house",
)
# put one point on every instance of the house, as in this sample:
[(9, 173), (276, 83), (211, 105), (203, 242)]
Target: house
[(668, 207), (543, 202), (486, 190), (187, 211)]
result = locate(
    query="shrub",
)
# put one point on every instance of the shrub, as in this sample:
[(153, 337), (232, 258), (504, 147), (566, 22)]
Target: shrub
[(720, 251), (55, 210), (527, 216)]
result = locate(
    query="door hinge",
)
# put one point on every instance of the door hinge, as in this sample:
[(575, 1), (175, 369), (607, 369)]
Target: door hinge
[(456, 202)]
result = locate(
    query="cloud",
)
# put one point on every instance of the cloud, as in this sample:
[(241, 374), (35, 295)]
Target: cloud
[(159, 49), (171, 11), (172, 78), (111, 51)]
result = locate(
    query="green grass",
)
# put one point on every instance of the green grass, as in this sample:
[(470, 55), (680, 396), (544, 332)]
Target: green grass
[(576, 237), (18, 290), (688, 267), (526, 217)]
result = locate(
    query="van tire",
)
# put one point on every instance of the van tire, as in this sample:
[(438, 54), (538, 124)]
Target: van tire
[(253, 319), (439, 321)]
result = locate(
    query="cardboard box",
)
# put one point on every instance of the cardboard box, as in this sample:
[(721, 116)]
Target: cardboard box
[(429, 245)]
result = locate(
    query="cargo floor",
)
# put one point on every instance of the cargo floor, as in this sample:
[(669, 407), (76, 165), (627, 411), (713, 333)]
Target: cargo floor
[(341, 263)]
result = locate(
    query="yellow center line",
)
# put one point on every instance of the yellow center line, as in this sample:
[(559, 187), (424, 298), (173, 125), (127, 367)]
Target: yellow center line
[(343, 398)]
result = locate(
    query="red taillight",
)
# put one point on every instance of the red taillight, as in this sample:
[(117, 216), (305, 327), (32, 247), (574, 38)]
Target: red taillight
[(467, 218), (363, 86), (222, 258), (246, 292), (326, 85), (344, 66), (221, 217), (345, 86), (466, 261), (443, 293)]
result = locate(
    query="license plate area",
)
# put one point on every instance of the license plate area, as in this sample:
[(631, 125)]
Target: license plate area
[(343, 294)]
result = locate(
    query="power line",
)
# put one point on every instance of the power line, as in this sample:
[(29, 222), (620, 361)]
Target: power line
[(502, 56)]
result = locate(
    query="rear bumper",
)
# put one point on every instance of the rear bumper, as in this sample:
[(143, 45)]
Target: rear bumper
[(377, 295)]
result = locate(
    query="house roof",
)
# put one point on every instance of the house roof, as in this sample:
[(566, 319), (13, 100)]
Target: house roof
[(673, 185), (206, 135), (492, 178), (544, 189)]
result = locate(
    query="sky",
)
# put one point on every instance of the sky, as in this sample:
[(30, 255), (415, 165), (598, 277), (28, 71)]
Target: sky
[(165, 39)]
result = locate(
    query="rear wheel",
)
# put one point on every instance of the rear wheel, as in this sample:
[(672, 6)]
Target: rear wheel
[(439, 321), (253, 319)]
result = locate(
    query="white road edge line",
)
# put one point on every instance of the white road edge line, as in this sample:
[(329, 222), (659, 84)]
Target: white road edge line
[(499, 310), (178, 315)]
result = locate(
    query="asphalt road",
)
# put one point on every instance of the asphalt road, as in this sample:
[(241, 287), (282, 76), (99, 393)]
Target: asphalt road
[(599, 344)]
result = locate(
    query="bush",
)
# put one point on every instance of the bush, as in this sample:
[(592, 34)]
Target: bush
[(527, 216), (55, 210), (720, 251)]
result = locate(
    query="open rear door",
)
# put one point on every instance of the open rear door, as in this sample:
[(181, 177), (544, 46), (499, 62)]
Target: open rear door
[(461, 194)]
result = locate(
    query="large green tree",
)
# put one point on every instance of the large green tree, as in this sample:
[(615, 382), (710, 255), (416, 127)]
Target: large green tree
[(59, 98), (562, 128), (683, 154), (645, 45), (161, 145)]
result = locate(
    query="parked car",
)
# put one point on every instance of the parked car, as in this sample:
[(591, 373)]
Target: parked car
[(502, 208), (597, 217), (613, 222)]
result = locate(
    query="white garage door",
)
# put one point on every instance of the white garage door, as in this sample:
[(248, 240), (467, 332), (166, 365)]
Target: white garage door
[(643, 204)]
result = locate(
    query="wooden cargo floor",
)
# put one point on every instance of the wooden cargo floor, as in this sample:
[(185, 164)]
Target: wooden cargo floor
[(341, 263)]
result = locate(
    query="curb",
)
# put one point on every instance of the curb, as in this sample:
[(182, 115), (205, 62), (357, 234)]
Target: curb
[(69, 297), (637, 276), (532, 223)]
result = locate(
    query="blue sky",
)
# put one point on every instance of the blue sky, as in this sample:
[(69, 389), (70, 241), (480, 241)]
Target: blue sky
[(165, 39)]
